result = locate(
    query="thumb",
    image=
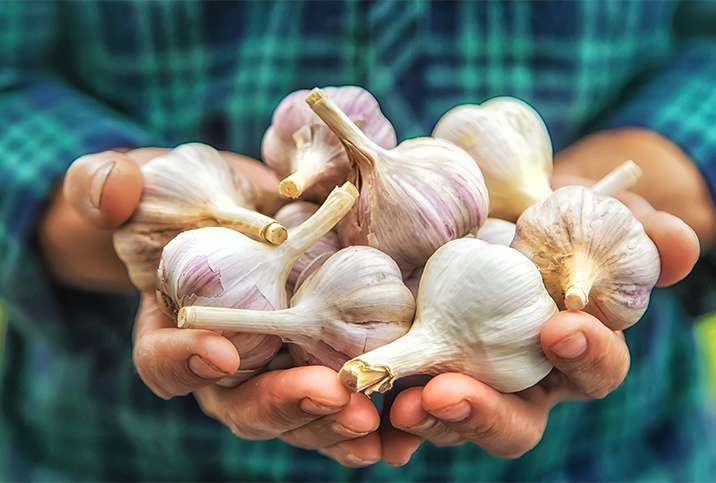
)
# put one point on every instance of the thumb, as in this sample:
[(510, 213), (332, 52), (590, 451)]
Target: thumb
[(104, 188)]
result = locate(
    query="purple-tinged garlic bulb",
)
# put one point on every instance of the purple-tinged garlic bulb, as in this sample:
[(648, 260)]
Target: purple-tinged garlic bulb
[(355, 302), (480, 310), (413, 198), (594, 255), (192, 186), (303, 151), (293, 214), (220, 267), (496, 230)]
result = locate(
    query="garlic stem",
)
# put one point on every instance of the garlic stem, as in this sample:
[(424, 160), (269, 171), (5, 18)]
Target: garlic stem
[(576, 298), (248, 221), (377, 370), (620, 178), (357, 376), (337, 204), (307, 173), (286, 322), (348, 132)]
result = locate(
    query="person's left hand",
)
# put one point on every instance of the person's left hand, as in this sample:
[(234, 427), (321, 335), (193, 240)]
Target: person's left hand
[(590, 359)]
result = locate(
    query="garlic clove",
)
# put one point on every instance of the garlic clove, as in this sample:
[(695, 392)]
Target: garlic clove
[(220, 267), (192, 186), (593, 254), (356, 301), (480, 310), (510, 142), (414, 197), (306, 153)]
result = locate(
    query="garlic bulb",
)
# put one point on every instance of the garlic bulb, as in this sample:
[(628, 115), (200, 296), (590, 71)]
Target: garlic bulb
[(356, 301), (301, 149), (496, 230), (480, 310), (510, 142), (192, 186), (220, 267), (413, 198), (293, 214), (593, 254)]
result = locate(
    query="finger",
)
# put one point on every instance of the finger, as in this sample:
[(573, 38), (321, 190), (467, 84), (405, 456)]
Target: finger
[(356, 453), (276, 402), (594, 359), (677, 243), (408, 415), (398, 446), (104, 188), (357, 419), (175, 362), (505, 425)]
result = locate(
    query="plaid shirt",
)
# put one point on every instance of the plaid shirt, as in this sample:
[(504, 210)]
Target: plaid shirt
[(79, 77)]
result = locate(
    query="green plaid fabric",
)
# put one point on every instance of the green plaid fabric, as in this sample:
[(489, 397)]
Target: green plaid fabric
[(78, 77)]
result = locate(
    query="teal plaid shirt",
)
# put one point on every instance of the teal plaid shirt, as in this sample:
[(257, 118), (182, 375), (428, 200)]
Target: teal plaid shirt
[(79, 77)]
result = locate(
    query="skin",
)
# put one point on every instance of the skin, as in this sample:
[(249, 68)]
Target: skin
[(307, 406)]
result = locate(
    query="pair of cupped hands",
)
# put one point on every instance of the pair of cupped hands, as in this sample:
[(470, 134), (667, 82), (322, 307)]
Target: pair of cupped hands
[(307, 406)]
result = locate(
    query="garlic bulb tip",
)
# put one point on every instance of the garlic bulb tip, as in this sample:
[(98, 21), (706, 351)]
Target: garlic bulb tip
[(575, 298), (289, 188), (357, 376), (274, 233), (186, 318)]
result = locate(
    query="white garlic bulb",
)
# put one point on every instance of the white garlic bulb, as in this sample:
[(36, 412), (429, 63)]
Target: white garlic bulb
[(356, 301), (192, 186), (303, 151), (480, 310), (593, 254), (510, 142), (413, 198), (293, 214), (220, 267)]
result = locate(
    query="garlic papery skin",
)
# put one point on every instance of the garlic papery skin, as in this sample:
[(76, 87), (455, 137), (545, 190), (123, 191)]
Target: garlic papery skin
[(496, 230), (293, 214), (303, 151), (510, 142), (220, 267), (594, 255), (192, 186), (413, 198), (356, 301), (480, 310)]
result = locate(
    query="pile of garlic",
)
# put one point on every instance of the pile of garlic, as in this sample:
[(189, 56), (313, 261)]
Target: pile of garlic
[(384, 262)]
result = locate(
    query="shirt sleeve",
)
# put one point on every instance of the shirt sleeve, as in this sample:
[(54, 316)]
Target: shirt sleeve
[(678, 100), (45, 124)]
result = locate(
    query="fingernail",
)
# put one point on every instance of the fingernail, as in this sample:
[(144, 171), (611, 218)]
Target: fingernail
[(309, 406), (423, 425), (341, 430), (97, 183), (572, 347), (200, 367), (455, 414)]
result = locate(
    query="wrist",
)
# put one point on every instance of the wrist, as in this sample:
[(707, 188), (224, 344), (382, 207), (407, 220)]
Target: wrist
[(671, 182)]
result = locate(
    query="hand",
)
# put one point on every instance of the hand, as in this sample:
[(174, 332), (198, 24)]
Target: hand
[(100, 192), (304, 406), (590, 361)]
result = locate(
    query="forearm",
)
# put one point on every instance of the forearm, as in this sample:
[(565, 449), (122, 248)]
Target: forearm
[(671, 182)]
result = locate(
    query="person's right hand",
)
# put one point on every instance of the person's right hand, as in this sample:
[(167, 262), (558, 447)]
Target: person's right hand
[(304, 406)]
